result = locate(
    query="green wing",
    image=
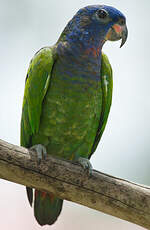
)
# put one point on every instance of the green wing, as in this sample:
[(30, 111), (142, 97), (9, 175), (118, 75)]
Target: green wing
[(107, 87), (37, 81)]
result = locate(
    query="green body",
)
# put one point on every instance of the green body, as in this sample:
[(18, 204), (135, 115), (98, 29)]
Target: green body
[(66, 115), (67, 119)]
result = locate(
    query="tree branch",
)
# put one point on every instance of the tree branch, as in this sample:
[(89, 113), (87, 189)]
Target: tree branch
[(102, 192)]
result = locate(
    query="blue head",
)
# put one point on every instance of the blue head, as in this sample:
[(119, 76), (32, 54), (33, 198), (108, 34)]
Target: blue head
[(96, 24)]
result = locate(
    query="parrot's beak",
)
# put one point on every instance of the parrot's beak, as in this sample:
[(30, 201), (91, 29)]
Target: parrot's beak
[(117, 32)]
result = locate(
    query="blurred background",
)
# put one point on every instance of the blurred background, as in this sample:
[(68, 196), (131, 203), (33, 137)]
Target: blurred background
[(124, 151)]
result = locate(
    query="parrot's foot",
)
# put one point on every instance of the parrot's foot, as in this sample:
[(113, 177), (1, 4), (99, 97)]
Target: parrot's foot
[(85, 163), (40, 151)]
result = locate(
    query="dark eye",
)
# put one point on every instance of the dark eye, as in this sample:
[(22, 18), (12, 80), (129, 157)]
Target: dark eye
[(102, 14)]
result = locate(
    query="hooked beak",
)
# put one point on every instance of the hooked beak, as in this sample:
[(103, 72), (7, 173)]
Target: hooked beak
[(117, 32)]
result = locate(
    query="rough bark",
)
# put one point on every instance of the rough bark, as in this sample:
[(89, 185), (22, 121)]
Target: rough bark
[(108, 194)]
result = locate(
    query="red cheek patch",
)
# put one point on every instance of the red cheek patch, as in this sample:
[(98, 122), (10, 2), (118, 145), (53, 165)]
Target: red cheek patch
[(117, 28)]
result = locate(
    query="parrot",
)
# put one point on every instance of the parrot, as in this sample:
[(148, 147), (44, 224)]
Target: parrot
[(68, 95)]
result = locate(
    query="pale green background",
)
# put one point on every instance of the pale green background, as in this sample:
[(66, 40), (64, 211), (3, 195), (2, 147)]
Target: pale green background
[(124, 151)]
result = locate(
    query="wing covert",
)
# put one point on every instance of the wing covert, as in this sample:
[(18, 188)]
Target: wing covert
[(107, 87), (37, 82)]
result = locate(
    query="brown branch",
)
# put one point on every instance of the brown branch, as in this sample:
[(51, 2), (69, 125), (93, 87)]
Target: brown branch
[(102, 192)]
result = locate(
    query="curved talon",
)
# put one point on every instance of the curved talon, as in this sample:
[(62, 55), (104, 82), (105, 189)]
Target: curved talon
[(41, 152), (85, 163)]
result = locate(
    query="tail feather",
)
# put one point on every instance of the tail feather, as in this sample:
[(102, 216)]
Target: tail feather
[(47, 207)]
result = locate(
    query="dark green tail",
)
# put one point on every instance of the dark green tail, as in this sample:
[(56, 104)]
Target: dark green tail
[(47, 207)]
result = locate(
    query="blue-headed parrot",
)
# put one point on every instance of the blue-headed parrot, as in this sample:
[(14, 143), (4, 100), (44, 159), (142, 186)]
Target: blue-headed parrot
[(68, 94)]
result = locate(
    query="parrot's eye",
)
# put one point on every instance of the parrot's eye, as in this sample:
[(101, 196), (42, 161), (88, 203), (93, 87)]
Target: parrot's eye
[(102, 14)]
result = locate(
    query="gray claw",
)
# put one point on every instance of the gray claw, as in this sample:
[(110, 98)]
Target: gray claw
[(41, 152), (85, 163)]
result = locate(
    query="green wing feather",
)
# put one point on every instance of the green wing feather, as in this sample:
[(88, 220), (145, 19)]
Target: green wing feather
[(47, 207), (37, 81), (107, 87)]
